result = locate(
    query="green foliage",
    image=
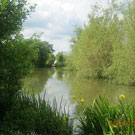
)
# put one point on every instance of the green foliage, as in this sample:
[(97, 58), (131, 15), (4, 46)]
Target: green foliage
[(122, 68), (12, 14), (51, 59), (16, 62), (31, 115), (105, 47), (20, 114), (45, 52), (104, 119), (77, 32), (16, 55), (60, 58)]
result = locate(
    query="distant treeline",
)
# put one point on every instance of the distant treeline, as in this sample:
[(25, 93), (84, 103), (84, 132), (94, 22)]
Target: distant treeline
[(105, 46), (44, 53)]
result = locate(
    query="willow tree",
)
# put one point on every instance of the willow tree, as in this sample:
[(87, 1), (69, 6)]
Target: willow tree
[(106, 46), (92, 53), (122, 69)]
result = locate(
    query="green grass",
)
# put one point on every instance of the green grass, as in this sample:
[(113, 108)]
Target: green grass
[(94, 119), (33, 116)]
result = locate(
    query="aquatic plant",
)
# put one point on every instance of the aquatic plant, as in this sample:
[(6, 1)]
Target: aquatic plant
[(102, 118), (35, 115)]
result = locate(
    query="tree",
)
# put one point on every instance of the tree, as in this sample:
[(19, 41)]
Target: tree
[(15, 54), (60, 59), (105, 47), (50, 60), (12, 14), (44, 50), (77, 33)]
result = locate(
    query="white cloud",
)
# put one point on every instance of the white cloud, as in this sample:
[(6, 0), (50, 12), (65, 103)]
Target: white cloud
[(56, 19)]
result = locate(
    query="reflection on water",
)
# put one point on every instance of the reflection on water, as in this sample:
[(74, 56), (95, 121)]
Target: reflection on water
[(57, 89), (57, 83), (35, 82)]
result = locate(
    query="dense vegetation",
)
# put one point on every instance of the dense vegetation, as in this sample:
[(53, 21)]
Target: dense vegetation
[(60, 59), (15, 55), (101, 118), (20, 114), (104, 48), (33, 116), (45, 56)]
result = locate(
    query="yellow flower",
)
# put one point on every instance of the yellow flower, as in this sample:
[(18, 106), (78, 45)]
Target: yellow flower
[(74, 97), (77, 86), (64, 118), (82, 100), (122, 96)]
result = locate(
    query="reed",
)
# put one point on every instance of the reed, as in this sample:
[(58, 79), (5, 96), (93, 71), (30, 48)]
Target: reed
[(32, 116), (102, 118)]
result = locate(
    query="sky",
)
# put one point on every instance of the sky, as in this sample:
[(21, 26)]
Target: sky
[(56, 19)]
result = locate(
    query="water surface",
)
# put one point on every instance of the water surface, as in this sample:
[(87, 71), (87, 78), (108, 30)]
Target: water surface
[(61, 84)]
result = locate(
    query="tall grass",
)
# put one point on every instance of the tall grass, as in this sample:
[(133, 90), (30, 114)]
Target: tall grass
[(101, 118), (30, 115), (35, 116)]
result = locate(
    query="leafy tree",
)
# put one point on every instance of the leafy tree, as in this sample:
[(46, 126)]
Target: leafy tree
[(105, 47), (16, 62), (50, 60), (15, 54), (92, 52), (12, 14), (60, 58), (44, 50), (122, 70), (77, 33)]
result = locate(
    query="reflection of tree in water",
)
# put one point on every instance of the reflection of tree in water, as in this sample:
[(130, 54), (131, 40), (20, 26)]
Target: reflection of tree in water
[(36, 81), (60, 74), (89, 89)]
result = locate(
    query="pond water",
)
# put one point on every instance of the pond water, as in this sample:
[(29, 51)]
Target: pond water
[(62, 85)]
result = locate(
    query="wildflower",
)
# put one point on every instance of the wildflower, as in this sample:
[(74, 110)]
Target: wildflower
[(77, 86), (74, 97), (82, 100), (122, 96), (65, 118)]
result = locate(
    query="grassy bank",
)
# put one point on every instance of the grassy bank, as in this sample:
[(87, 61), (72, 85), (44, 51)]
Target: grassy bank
[(101, 118), (35, 116), (29, 115)]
